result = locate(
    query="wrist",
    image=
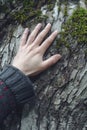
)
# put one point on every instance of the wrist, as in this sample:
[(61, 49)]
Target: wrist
[(20, 68)]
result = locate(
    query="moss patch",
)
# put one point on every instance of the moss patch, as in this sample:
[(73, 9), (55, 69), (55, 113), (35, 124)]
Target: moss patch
[(86, 2), (75, 28), (3, 8), (65, 10), (25, 14), (23, 10), (27, 11), (31, 9)]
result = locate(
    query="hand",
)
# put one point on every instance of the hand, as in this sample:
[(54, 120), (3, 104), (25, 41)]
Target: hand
[(29, 58)]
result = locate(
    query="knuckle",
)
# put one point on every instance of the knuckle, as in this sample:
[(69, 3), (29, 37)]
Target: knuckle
[(31, 36), (41, 36), (49, 40), (23, 38), (37, 50), (25, 33)]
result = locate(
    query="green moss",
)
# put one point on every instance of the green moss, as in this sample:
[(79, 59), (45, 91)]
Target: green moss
[(6, 6), (22, 16), (3, 8), (63, 1), (86, 2), (29, 11), (26, 9), (26, 12), (49, 1), (75, 28), (41, 18), (50, 7), (59, 8), (65, 11)]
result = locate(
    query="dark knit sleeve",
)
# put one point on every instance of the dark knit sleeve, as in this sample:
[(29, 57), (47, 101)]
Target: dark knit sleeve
[(16, 89)]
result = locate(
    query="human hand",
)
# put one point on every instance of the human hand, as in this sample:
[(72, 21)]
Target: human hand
[(29, 58)]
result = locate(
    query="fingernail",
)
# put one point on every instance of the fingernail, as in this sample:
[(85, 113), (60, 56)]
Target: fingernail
[(26, 29), (48, 24), (39, 24), (56, 32), (58, 56)]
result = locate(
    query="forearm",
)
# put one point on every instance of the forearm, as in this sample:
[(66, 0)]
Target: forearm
[(7, 101), (15, 90)]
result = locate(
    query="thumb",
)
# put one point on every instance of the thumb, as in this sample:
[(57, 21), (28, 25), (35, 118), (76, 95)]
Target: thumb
[(49, 62)]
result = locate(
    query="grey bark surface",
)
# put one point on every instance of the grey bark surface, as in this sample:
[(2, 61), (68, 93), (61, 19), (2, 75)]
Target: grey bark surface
[(61, 91)]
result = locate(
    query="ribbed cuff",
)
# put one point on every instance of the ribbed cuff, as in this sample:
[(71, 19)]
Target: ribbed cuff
[(19, 84)]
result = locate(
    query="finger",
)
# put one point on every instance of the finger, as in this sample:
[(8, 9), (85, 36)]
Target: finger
[(48, 42), (24, 37), (41, 36), (49, 62), (34, 34)]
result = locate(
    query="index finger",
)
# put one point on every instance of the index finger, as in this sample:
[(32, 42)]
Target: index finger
[(24, 37)]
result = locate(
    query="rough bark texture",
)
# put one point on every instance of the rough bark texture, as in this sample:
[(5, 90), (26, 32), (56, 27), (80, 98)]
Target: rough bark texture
[(61, 91)]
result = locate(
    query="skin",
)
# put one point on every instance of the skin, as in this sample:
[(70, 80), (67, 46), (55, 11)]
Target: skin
[(29, 58)]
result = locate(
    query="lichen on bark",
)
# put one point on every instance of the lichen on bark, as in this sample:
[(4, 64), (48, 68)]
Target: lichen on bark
[(75, 28)]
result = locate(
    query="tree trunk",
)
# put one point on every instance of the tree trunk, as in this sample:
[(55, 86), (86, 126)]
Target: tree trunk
[(61, 91)]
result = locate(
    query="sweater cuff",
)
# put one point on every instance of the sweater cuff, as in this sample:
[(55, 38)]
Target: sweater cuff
[(19, 84)]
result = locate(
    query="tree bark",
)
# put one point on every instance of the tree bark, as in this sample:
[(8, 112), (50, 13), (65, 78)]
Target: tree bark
[(61, 91)]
